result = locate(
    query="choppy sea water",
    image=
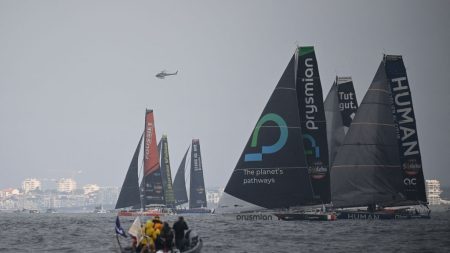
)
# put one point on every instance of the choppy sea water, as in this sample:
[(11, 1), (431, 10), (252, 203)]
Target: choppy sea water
[(230, 233)]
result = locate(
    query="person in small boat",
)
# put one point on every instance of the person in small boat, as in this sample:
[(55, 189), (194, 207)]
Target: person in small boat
[(166, 237), (180, 226), (149, 236), (156, 220)]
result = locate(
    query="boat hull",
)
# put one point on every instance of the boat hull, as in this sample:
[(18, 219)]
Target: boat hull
[(139, 213), (195, 210), (127, 249), (365, 215), (306, 216)]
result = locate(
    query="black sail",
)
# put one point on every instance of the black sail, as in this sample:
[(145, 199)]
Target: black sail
[(197, 193), (340, 108), (166, 172), (130, 192), (348, 105), (179, 183), (366, 169), (335, 126), (410, 158), (271, 172), (312, 118)]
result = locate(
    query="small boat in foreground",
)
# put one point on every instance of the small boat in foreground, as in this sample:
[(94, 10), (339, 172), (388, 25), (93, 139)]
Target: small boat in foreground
[(192, 241)]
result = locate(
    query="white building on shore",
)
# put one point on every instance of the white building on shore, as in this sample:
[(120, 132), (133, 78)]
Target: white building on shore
[(31, 184), (66, 185), (433, 190)]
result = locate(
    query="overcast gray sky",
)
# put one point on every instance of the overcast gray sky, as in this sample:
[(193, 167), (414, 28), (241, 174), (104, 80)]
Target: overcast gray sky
[(77, 76)]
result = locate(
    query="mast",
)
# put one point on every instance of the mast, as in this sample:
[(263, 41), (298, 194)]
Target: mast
[(313, 125), (166, 173), (130, 192), (271, 172), (366, 169), (406, 130), (179, 183), (197, 193), (152, 187)]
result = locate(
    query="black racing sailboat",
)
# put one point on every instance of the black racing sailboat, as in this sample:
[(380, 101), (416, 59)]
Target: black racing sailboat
[(197, 192), (288, 165), (379, 163), (149, 193), (340, 108)]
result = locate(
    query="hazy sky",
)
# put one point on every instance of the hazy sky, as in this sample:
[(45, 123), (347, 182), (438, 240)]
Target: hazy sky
[(77, 76)]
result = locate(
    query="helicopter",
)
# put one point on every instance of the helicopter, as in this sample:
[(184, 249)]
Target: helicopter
[(163, 74)]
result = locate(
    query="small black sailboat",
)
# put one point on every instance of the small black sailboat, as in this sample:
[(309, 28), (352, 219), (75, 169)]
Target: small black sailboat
[(135, 197), (379, 163), (197, 192)]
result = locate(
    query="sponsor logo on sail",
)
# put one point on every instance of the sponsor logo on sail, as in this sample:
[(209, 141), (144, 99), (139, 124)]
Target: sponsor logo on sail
[(148, 139), (310, 107), (410, 181), (412, 167), (316, 168), (253, 157)]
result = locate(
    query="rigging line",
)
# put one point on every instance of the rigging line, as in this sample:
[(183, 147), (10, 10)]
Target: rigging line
[(271, 168), (380, 90), (365, 165), (375, 124), (285, 88), (293, 127), (188, 175)]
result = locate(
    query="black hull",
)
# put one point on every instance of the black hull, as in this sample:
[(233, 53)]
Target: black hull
[(381, 215), (196, 249), (306, 216)]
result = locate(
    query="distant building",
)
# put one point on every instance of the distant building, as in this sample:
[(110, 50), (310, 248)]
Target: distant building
[(8, 192), (433, 190), (31, 184), (90, 188), (108, 195), (212, 197), (66, 185)]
